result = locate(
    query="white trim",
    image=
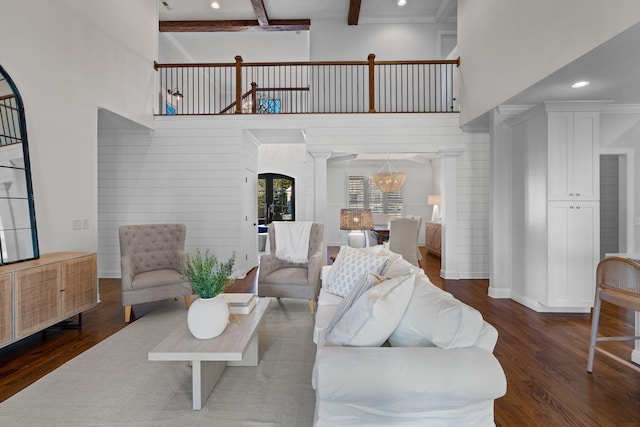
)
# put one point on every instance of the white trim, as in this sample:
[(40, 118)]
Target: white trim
[(499, 293), (439, 36), (540, 308), (629, 153)]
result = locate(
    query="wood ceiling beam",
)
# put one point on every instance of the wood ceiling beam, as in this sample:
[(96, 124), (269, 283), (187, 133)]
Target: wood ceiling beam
[(354, 12), (261, 12), (233, 26)]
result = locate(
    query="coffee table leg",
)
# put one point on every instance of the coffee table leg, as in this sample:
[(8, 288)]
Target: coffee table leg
[(250, 354), (205, 375)]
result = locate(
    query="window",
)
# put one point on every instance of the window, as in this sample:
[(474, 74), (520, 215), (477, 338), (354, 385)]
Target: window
[(364, 195), (276, 198)]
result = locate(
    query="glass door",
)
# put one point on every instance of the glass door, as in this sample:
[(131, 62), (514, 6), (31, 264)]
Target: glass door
[(276, 198)]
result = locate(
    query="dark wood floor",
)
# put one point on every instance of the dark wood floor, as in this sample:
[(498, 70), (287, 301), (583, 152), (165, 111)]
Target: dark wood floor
[(544, 356)]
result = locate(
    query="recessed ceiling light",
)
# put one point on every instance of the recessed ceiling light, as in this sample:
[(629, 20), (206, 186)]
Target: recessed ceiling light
[(215, 5), (402, 2), (582, 83)]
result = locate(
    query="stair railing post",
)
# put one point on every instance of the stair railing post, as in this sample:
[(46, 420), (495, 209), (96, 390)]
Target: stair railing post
[(372, 86), (254, 98), (238, 84)]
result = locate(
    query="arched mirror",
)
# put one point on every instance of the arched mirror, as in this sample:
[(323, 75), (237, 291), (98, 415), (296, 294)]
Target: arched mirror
[(18, 236)]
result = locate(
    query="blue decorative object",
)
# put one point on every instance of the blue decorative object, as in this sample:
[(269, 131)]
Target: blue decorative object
[(268, 106), (171, 110)]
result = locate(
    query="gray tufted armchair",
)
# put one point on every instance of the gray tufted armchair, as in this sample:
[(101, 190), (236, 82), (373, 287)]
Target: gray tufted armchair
[(278, 278), (152, 258)]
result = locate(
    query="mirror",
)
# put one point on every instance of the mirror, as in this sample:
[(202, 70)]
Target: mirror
[(18, 236)]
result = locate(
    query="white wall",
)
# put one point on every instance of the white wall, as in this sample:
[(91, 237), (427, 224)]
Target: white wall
[(387, 41), (223, 47), (506, 46), (68, 58), (189, 170), (143, 176)]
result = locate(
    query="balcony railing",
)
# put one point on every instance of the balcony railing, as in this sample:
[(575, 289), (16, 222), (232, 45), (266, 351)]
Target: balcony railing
[(307, 87)]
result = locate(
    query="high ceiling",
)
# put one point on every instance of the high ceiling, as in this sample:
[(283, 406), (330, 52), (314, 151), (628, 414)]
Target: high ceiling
[(370, 11)]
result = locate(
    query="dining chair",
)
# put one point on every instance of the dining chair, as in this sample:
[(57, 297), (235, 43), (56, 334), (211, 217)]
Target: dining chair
[(617, 282), (403, 238)]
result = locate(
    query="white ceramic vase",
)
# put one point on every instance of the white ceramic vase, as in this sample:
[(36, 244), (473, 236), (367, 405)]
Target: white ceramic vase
[(208, 317)]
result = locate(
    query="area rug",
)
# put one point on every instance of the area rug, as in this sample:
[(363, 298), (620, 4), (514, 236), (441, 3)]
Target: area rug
[(114, 383)]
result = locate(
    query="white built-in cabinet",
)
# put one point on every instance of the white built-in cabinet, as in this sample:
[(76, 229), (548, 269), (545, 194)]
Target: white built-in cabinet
[(572, 153), (555, 200)]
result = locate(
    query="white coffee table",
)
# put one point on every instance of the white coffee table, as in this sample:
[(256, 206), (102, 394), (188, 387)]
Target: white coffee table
[(236, 346)]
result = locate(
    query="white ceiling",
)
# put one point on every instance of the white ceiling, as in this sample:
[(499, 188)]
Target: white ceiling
[(371, 10), (612, 70)]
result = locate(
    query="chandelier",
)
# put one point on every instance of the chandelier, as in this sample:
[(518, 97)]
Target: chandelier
[(388, 180)]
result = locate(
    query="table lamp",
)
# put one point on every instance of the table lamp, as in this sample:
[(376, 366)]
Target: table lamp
[(356, 220), (435, 201)]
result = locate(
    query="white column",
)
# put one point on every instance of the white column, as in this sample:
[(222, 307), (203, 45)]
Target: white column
[(320, 184), (500, 275), (449, 213)]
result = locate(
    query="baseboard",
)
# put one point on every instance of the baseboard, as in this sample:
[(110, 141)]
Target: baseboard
[(499, 293), (540, 308)]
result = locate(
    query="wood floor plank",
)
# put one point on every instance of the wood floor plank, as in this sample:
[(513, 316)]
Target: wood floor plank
[(544, 355)]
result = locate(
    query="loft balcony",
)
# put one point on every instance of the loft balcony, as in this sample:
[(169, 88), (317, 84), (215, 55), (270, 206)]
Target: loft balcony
[(308, 87)]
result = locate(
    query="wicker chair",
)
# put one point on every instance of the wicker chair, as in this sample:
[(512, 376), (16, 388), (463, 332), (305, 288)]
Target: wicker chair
[(151, 261), (617, 282)]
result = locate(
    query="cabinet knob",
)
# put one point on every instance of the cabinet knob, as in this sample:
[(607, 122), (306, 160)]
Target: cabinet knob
[(571, 194), (577, 194), (570, 207), (577, 207)]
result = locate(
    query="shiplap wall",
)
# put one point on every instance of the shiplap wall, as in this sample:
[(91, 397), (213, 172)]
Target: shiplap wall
[(185, 171), (191, 169)]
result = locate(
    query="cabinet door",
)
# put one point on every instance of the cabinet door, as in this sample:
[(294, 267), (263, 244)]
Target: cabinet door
[(585, 165), (5, 309), (79, 284), (559, 137), (37, 298), (573, 171), (433, 238), (573, 236)]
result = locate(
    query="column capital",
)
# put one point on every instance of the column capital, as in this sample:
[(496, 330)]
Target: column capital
[(450, 152)]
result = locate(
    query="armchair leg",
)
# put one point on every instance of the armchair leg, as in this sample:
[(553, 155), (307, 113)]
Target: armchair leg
[(187, 301), (127, 314), (312, 306)]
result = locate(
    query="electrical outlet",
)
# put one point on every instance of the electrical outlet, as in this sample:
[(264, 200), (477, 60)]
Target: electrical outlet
[(638, 220), (76, 224), (85, 223)]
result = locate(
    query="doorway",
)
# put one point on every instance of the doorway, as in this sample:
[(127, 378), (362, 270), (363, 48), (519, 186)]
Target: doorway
[(276, 198), (616, 201)]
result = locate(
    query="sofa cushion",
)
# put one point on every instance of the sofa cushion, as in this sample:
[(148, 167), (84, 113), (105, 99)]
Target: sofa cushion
[(363, 285), (435, 318), (374, 316), (350, 266)]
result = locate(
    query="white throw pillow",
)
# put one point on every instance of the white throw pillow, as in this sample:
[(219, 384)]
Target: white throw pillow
[(350, 266), (374, 316), (366, 283), (435, 318)]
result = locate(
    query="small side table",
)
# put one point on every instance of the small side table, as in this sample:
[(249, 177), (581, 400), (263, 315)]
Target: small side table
[(433, 238)]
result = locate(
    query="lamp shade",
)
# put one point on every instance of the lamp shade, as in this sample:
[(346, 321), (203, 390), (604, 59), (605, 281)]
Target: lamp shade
[(356, 219), (434, 199)]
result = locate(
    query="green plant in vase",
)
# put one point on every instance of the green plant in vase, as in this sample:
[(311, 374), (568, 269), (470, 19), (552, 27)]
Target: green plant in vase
[(208, 276), (208, 316)]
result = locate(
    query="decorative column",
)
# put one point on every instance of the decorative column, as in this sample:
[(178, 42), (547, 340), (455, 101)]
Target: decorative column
[(449, 213), (320, 184)]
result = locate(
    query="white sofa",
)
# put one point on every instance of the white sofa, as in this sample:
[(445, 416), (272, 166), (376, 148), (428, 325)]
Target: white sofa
[(409, 380)]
